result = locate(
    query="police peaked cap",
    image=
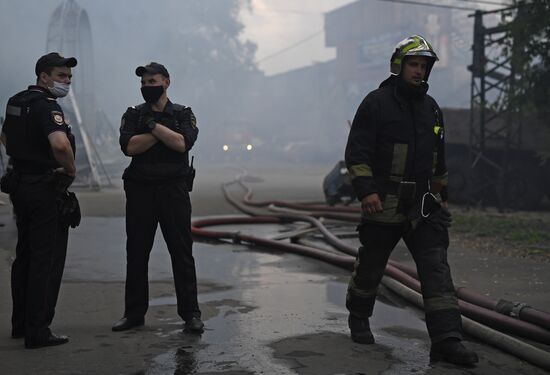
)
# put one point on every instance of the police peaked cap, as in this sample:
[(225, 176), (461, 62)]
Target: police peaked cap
[(152, 68), (53, 59)]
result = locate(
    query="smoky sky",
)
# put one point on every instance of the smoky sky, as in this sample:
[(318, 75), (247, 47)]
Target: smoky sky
[(125, 34), (193, 39), (212, 70)]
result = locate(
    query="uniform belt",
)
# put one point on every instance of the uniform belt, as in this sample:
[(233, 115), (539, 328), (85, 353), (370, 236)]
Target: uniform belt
[(35, 177), (403, 189)]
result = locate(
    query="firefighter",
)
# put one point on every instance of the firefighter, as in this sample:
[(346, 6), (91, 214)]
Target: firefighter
[(396, 157)]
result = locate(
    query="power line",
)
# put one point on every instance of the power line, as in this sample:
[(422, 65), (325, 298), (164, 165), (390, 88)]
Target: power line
[(300, 42), (484, 2), (412, 2), (429, 5)]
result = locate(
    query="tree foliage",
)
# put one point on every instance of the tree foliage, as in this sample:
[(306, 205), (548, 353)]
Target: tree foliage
[(529, 51)]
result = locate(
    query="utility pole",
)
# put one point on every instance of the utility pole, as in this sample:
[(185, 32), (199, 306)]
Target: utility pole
[(495, 120)]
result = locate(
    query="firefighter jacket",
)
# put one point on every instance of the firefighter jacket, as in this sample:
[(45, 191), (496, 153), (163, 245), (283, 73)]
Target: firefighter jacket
[(396, 141)]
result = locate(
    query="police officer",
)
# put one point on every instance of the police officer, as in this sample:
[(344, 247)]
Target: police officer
[(396, 158), (41, 147), (158, 135)]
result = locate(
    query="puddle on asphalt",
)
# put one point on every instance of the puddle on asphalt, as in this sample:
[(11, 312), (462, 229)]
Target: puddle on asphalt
[(259, 298), (268, 313), (273, 298)]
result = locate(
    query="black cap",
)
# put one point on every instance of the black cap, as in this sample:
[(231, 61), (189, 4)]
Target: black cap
[(53, 59), (152, 68)]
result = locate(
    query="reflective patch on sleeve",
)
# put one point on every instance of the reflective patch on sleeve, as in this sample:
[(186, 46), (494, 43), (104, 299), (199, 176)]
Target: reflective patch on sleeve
[(360, 170), (443, 180), (57, 117)]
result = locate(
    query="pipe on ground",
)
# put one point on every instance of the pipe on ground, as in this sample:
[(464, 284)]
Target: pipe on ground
[(515, 310), (486, 316), (511, 309), (504, 342)]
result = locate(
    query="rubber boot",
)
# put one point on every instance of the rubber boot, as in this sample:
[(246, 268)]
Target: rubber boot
[(360, 330), (453, 351)]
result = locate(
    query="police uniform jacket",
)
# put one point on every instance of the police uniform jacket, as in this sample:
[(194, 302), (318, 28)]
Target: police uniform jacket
[(397, 135), (31, 116), (159, 164)]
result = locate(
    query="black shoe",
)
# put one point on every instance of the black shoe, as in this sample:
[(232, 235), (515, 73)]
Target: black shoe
[(360, 330), (194, 325), (51, 340), (453, 351), (127, 323)]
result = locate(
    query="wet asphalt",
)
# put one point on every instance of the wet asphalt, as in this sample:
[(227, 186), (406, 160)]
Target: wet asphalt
[(265, 313)]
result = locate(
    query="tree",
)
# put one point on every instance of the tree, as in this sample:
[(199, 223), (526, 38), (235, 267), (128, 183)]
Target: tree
[(528, 45), (215, 66), (208, 51)]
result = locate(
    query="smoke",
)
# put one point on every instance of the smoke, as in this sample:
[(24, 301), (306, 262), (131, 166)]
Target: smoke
[(299, 116)]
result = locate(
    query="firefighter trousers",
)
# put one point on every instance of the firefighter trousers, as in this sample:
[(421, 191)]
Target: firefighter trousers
[(428, 247)]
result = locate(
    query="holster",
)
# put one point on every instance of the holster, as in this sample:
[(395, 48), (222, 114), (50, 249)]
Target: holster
[(190, 177), (69, 208), (62, 182), (9, 182)]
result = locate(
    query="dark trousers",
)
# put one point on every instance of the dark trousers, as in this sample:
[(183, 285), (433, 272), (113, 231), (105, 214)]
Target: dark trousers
[(146, 207), (428, 247), (39, 261)]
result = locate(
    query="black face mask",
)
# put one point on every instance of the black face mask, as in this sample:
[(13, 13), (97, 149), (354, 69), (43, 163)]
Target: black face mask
[(152, 94)]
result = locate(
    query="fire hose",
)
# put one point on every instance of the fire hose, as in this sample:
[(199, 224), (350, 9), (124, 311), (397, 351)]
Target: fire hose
[(474, 306), (517, 310)]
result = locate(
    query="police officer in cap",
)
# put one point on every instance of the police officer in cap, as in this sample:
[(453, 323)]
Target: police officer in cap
[(158, 135), (41, 147), (396, 157)]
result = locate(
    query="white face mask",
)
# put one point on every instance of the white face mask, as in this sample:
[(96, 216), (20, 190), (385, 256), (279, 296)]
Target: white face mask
[(59, 90)]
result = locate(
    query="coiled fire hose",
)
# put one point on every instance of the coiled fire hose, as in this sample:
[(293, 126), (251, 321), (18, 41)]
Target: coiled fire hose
[(403, 278), (517, 310)]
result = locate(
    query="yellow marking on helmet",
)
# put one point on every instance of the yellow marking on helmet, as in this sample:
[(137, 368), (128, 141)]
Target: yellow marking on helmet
[(414, 44), (437, 129)]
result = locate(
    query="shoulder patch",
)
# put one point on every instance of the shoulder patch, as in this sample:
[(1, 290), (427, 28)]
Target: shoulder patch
[(57, 117)]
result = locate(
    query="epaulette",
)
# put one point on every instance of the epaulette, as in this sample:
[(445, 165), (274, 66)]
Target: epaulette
[(179, 107)]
